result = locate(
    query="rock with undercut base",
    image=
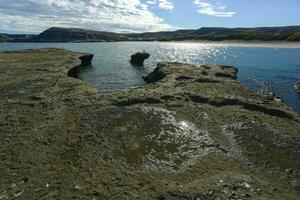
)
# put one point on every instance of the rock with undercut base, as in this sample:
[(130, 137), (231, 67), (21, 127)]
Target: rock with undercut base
[(86, 59), (139, 58)]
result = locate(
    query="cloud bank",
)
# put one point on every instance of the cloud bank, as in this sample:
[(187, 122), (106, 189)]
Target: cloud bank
[(212, 10), (107, 15)]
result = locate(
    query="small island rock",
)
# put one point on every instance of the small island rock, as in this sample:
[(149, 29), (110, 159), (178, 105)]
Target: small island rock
[(139, 58), (86, 59)]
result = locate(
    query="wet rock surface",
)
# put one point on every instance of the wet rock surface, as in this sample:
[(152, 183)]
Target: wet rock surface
[(149, 138), (191, 133)]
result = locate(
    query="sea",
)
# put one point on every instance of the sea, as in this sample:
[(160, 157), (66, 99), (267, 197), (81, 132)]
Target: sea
[(270, 70)]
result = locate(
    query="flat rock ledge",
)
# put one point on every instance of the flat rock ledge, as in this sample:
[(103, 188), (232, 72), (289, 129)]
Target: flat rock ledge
[(191, 133)]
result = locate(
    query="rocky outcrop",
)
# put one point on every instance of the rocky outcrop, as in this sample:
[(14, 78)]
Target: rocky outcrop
[(191, 133), (86, 59), (208, 72), (139, 58), (157, 74)]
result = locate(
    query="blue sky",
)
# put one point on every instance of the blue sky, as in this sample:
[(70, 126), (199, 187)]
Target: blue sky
[(248, 13), (34, 16)]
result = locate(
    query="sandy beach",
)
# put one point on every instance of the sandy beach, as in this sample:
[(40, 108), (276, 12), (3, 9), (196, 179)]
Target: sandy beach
[(265, 44)]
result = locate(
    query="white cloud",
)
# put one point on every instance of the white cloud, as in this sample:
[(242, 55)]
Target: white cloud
[(163, 4), (152, 2), (105, 15), (212, 10)]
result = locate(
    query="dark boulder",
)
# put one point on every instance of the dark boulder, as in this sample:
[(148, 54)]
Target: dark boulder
[(157, 74), (139, 58), (86, 59)]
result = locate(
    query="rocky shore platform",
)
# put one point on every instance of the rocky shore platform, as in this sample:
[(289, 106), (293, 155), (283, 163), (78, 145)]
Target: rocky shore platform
[(191, 133)]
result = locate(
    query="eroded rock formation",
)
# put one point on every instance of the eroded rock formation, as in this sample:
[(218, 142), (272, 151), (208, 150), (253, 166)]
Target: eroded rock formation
[(192, 133), (139, 58), (86, 59)]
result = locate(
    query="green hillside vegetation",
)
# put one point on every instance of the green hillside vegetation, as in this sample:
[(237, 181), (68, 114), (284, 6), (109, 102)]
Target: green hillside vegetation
[(56, 34), (294, 37), (219, 34)]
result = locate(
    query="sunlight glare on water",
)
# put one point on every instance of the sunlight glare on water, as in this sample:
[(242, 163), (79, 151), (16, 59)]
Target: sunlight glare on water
[(262, 69)]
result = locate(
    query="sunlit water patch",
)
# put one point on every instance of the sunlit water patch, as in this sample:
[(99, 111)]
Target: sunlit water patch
[(268, 70)]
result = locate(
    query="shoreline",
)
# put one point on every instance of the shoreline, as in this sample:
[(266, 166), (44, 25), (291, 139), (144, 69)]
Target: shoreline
[(239, 43)]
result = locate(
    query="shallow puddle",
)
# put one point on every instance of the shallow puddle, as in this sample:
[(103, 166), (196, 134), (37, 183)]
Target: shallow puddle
[(150, 137)]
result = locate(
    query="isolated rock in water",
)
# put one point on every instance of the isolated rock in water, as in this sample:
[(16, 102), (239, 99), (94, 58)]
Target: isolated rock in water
[(297, 86), (139, 58), (86, 59)]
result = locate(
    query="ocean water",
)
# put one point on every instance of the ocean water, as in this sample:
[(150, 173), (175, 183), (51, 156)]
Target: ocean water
[(262, 69)]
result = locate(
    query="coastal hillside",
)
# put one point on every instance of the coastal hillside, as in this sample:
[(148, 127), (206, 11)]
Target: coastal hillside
[(290, 33), (56, 34)]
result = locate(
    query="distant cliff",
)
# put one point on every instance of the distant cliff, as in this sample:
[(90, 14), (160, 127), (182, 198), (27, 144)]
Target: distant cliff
[(77, 35), (55, 34)]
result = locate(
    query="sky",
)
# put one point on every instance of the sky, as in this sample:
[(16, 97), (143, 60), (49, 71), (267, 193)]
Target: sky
[(35, 16)]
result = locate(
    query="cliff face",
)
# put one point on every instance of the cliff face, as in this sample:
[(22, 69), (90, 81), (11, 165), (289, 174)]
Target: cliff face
[(191, 133), (76, 35)]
